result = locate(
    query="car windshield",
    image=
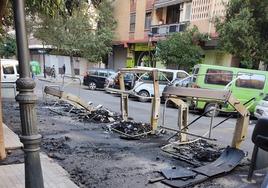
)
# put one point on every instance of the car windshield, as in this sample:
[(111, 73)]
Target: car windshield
[(182, 82), (265, 98), (128, 76)]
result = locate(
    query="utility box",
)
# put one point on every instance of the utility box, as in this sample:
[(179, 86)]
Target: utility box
[(8, 90)]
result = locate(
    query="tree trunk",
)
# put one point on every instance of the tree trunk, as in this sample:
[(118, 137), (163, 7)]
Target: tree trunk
[(72, 65), (3, 5), (256, 65)]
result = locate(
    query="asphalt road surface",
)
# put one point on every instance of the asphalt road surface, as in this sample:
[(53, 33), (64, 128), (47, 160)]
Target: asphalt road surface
[(141, 112)]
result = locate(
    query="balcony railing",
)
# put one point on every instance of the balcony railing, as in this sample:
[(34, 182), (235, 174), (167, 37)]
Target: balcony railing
[(163, 30), (166, 3)]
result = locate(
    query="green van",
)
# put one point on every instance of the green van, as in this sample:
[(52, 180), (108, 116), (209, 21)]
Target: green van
[(244, 84)]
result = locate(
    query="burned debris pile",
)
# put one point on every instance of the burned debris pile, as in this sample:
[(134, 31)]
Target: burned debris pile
[(99, 115), (195, 153), (131, 129)]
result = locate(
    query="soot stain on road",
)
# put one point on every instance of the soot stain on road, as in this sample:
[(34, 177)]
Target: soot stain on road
[(95, 157), (92, 156)]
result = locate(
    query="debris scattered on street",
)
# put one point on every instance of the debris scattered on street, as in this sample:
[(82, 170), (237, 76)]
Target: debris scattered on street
[(100, 115), (131, 129), (196, 153)]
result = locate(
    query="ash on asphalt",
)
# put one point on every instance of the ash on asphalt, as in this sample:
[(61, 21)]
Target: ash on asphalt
[(93, 156)]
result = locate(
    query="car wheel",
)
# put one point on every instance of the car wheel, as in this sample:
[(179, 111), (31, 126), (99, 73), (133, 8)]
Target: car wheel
[(210, 107), (92, 85), (143, 94)]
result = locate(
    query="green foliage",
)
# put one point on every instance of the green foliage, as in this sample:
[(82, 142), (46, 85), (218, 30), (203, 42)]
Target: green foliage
[(243, 33), (35, 8), (84, 32), (48, 7), (8, 46), (181, 48)]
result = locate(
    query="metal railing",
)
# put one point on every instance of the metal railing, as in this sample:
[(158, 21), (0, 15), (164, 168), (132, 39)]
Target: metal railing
[(163, 30)]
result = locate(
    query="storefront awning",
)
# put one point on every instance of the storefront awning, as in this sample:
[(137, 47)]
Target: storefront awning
[(166, 3)]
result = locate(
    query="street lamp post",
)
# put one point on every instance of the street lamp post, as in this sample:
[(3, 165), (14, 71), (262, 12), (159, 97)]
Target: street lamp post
[(150, 35), (44, 61), (26, 98)]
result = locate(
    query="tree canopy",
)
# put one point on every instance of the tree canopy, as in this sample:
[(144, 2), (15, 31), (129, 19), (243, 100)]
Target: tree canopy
[(244, 31), (182, 48), (8, 46), (86, 31)]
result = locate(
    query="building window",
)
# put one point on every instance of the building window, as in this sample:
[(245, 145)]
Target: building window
[(173, 14), (8, 69), (148, 19), (133, 5), (254, 81), (132, 22), (218, 77), (187, 12)]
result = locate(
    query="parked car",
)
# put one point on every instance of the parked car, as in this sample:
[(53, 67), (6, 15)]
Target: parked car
[(9, 70), (185, 82), (129, 80), (95, 78), (144, 85), (261, 109), (244, 84)]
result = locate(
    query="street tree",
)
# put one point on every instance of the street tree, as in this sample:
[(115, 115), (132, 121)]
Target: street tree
[(35, 8), (182, 49), (243, 32), (8, 46), (86, 31)]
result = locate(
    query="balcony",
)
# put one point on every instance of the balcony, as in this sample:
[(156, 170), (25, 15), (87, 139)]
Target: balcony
[(166, 3), (164, 30)]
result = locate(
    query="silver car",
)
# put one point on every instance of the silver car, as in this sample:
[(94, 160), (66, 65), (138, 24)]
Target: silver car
[(261, 110)]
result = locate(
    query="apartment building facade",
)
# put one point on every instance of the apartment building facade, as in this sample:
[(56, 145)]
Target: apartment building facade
[(203, 15), (141, 23)]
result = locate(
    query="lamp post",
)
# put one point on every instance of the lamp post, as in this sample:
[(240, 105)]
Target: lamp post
[(150, 35), (27, 99), (44, 51), (44, 61)]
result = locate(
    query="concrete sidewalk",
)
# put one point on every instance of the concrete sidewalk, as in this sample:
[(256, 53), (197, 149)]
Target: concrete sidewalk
[(13, 176), (12, 140)]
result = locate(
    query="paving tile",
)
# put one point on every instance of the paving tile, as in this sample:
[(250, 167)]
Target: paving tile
[(11, 140), (12, 176)]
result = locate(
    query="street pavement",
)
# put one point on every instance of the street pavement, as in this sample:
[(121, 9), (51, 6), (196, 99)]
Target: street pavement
[(141, 112)]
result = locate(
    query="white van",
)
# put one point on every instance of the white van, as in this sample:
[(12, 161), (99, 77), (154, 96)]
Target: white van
[(144, 85), (9, 70)]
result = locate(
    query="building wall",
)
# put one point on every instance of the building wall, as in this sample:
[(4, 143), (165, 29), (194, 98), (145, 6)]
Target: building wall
[(204, 13), (214, 57), (123, 53), (122, 11), (118, 59), (121, 15), (58, 61), (140, 18)]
